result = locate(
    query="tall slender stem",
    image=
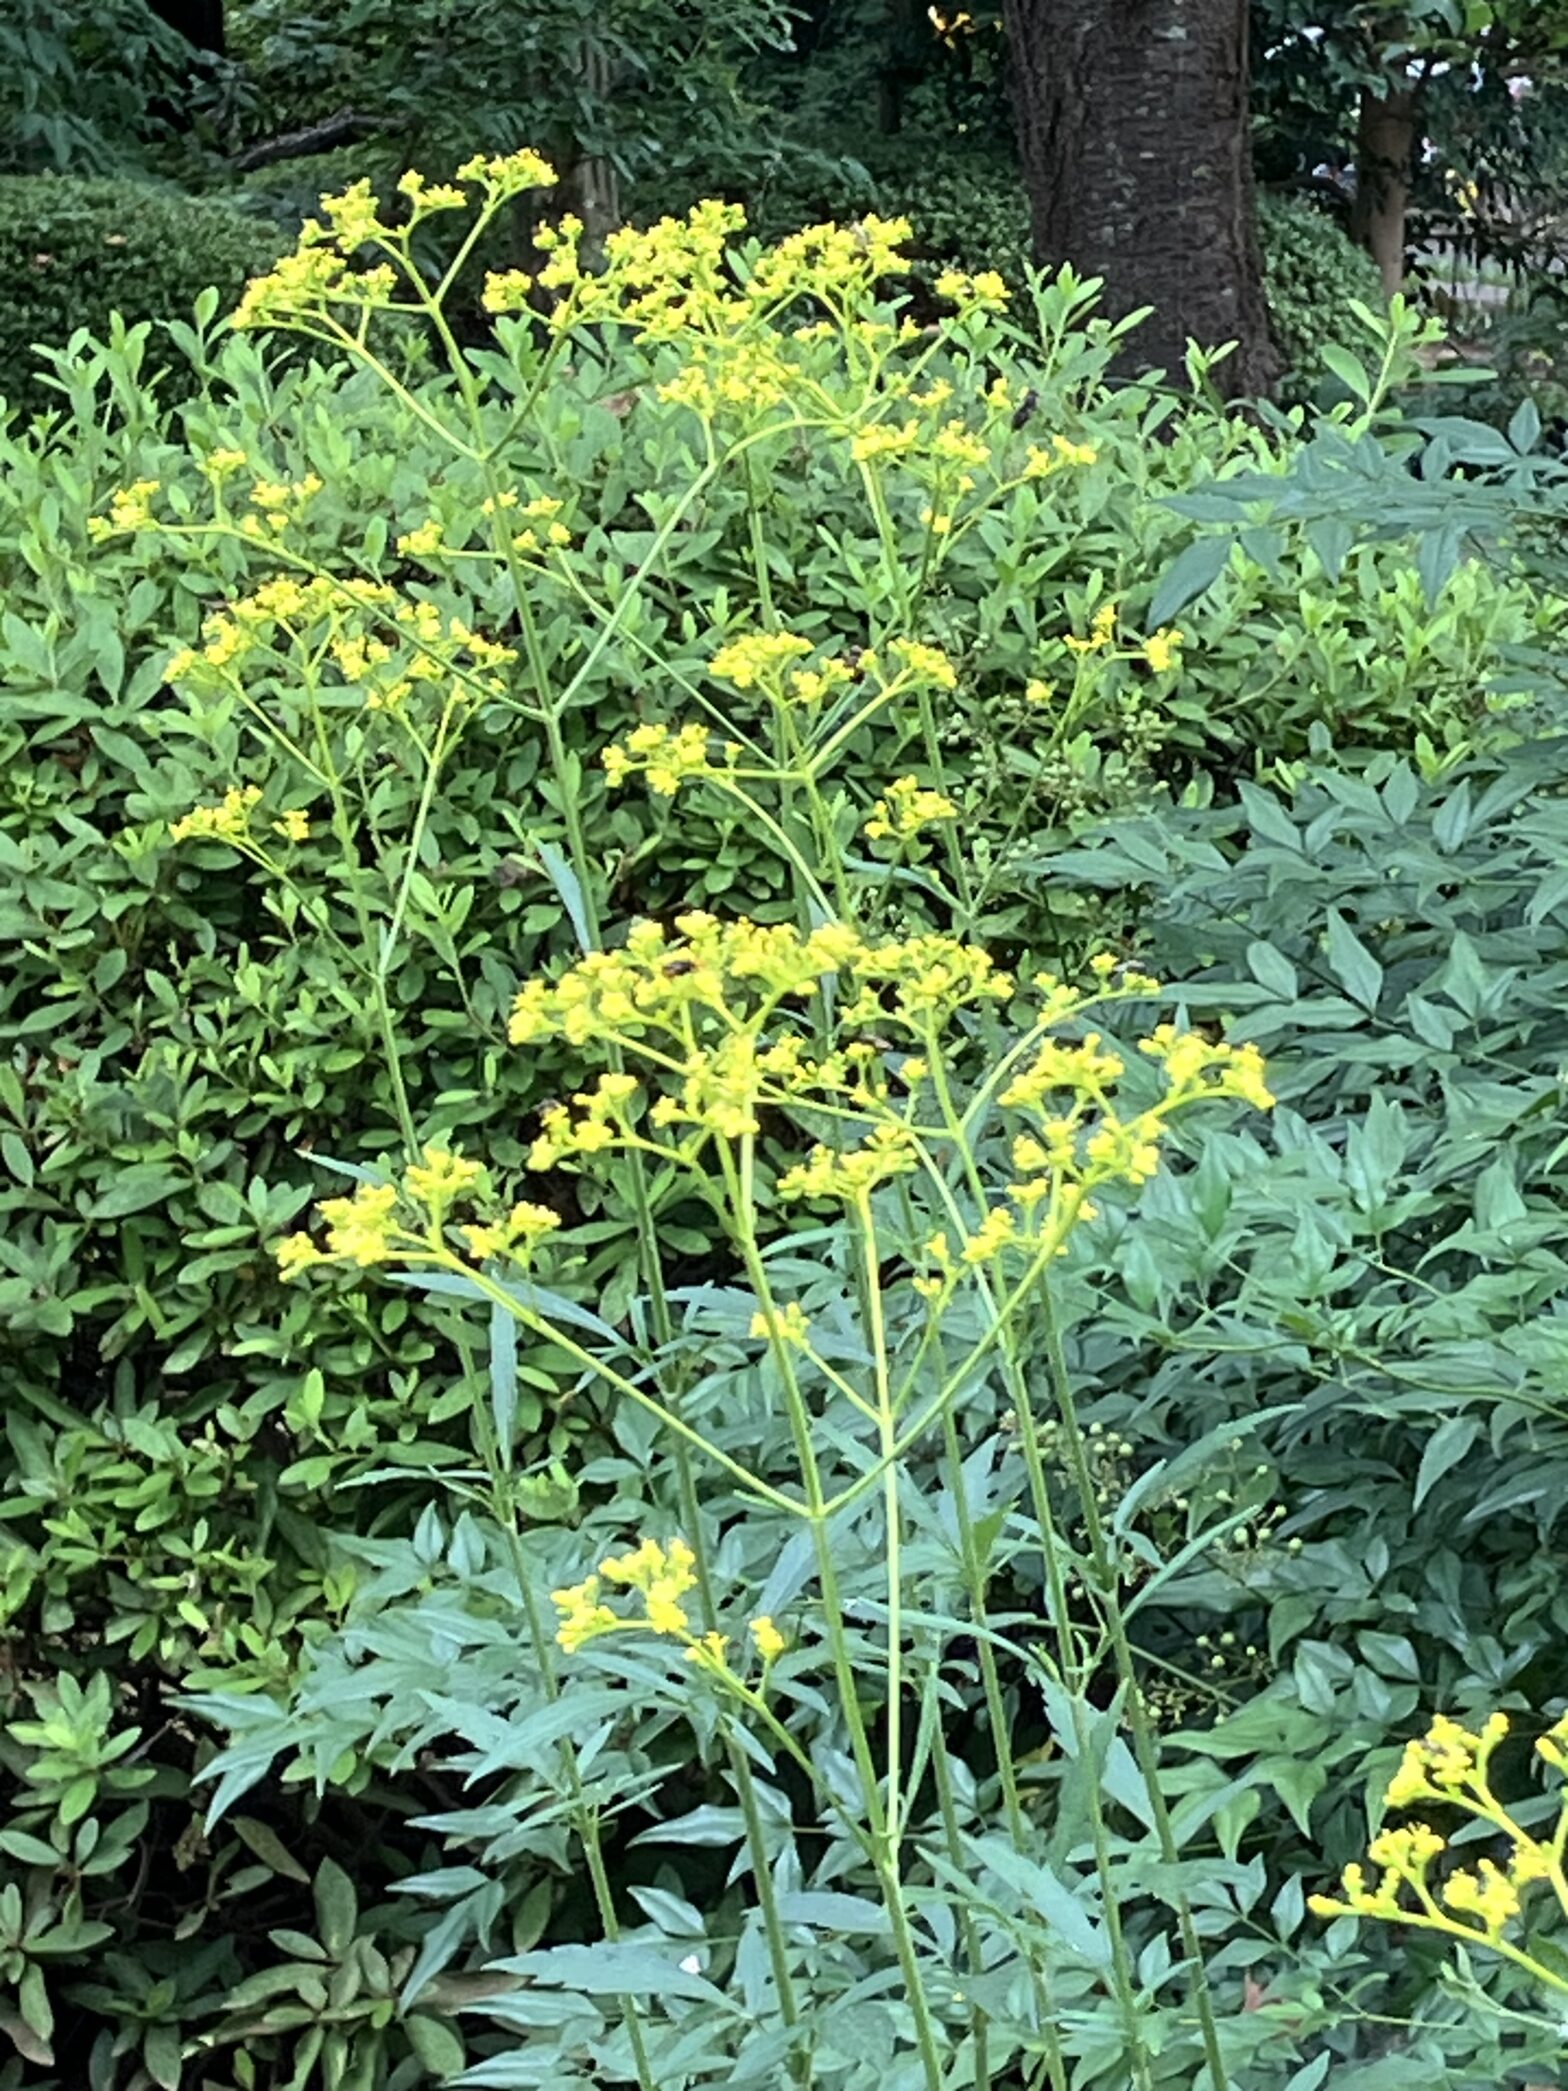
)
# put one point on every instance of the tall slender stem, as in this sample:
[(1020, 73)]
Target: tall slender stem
[(1145, 1746)]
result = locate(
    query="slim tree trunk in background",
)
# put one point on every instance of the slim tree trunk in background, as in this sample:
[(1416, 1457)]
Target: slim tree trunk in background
[(1132, 121), (589, 184), (1384, 162)]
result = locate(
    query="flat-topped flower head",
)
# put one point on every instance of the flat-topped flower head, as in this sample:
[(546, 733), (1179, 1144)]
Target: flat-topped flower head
[(227, 821), (905, 808)]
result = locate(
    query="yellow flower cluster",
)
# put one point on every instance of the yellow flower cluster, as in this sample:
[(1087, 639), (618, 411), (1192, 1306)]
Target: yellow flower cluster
[(925, 663), (421, 542), (709, 1015), (1162, 648), (667, 758), (278, 498), (425, 198), (297, 607), (1447, 1761), (129, 509), (884, 439), (506, 290), (785, 1324), (1450, 1765), (758, 657), (1102, 632), (228, 821), (740, 971), (769, 1643), (304, 285), (851, 1174), (504, 175), (828, 260), (661, 1576), (1057, 456), (407, 1222), (985, 291), (905, 808)]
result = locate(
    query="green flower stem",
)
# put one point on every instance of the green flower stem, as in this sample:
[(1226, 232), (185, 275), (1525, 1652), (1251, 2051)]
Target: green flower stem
[(541, 1326), (808, 880), (958, 1859), (1001, 1316), (871, 1284), (1145, 1745), (585, 1819), (892, 564), (740, 1763), (1067, 1658), (739, 1179)]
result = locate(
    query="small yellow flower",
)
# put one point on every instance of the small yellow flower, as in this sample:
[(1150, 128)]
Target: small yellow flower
[(1161, 648), (662, 1575), (296, 1253), (1101, 632), (421, 543), (786, 1325), (439, 1177), (757, 658), (925, 663), (995, 1231), (228, 821), (582, 1614), (769, 1643), (362, 1229), (1488, 1895), (294, 826), (506, 290), (905, 809)]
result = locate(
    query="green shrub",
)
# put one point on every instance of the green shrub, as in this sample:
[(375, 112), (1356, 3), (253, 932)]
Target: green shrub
[(73, 252), (1312, 274), (209, 1472)]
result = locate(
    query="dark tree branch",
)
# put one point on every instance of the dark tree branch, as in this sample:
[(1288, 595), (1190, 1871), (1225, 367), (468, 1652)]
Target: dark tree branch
[(335, 130)]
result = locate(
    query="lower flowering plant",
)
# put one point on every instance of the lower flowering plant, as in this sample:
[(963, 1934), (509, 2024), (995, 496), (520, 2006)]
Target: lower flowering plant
[(1508, 1903), (948, 1130)]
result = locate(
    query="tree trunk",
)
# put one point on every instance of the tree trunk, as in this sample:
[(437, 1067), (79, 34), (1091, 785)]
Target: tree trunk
[(1132, 121), (589, 184), (1384, 163)]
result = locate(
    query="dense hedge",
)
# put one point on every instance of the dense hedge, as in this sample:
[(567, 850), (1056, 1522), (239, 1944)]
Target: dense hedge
[(72, 252), (1313, 273)]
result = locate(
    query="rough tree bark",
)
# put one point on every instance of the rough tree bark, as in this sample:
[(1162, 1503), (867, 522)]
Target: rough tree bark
[(1384, 160), (1132, 120)]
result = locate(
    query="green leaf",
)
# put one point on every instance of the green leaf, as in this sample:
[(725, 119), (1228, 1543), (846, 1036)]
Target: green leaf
[(569, 887), (1039, 1889), (1353, 966), (1190, 574), (162, 2053), (1443, 1450), (337, 1908), (437, 2045), (1352, 374), (270, 1848), (606, 1970), (1271, 969), (136, 1187)]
